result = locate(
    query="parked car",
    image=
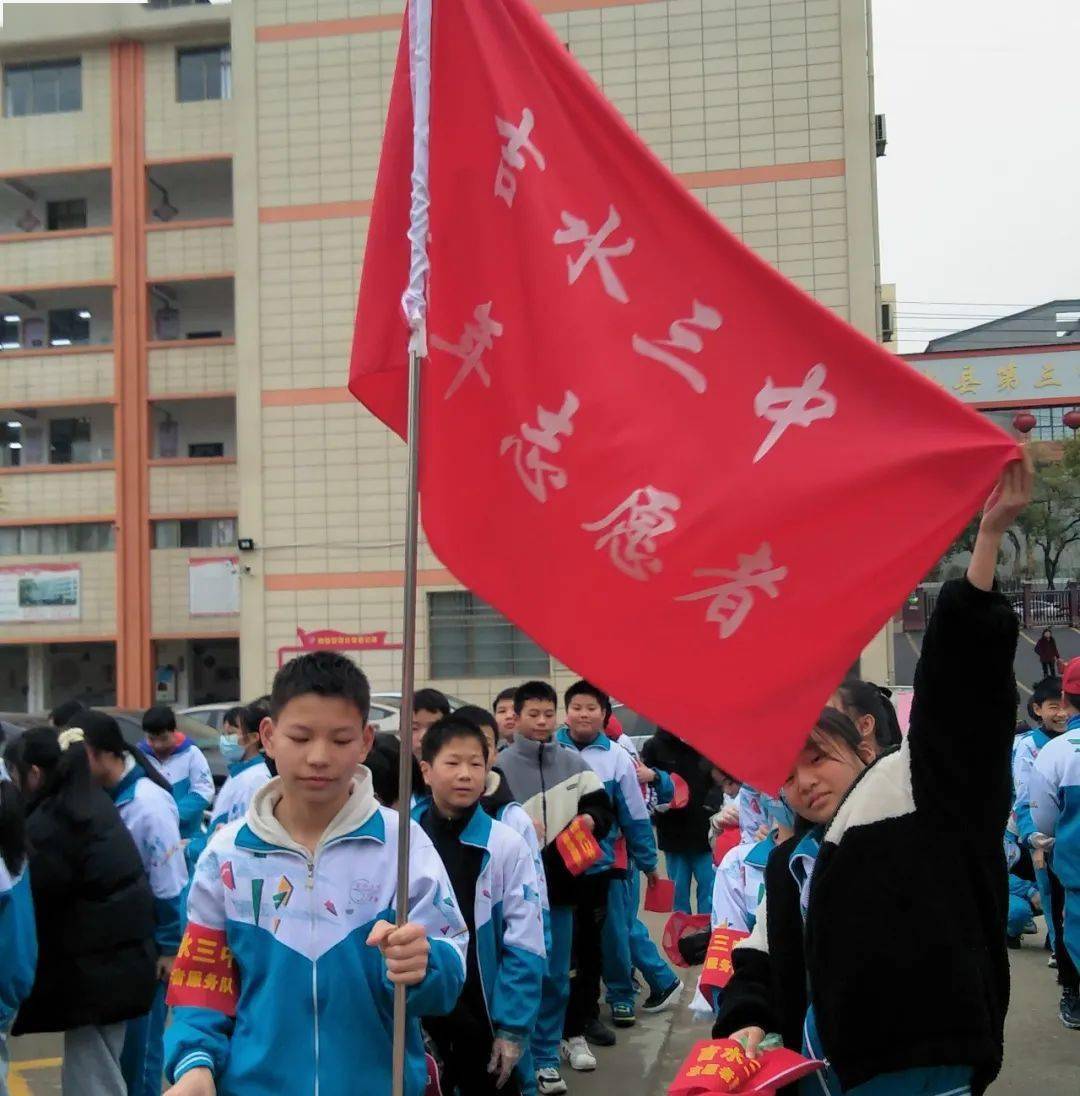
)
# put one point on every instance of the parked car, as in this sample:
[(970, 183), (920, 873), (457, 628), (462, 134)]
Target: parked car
[(386, 710), (202, 734), (213, 715)]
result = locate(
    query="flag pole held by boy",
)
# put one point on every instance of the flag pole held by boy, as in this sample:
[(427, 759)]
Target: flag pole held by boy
[(414, 305), (598, 340)]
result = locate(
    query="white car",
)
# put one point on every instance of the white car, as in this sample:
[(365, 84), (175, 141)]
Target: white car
[(385, 711), (213, 715)]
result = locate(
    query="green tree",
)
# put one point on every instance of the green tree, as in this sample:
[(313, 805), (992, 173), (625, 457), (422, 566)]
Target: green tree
[(1052, 522)]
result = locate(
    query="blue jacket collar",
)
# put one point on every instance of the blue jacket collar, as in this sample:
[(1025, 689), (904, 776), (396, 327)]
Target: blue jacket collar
[(759, 855), (237, 767), (374, 829), (476, 833), (1073, 724), (184, 746), (124, 791), (601, 742)]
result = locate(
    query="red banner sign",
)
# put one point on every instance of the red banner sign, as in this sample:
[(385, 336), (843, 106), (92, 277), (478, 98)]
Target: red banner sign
[(330, 639)]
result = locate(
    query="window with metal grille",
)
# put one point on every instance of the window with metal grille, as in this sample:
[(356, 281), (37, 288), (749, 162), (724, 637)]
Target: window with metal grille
[(42, 87), (468, 638), (52, 540), (204, 72), (67, 214)]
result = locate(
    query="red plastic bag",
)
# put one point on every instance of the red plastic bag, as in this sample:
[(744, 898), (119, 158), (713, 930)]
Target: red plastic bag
[(660, 896), (721, 1065)]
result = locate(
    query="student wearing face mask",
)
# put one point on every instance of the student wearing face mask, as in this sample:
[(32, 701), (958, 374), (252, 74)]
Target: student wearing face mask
[(242, 751), (841, 962)]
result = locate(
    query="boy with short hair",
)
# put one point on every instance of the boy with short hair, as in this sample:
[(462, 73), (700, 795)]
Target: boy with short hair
[(555, 786), (182, 763), (505, 716), (604, 915), (482, 1041), (429, 706), (1047, 707), (1054, 783), (285, 978)]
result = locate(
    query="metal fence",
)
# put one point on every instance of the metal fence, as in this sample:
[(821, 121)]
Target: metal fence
[(1036, 608)]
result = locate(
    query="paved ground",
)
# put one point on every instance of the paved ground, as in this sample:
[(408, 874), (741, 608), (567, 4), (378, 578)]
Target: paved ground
[(1041, 1057), (906, 646)]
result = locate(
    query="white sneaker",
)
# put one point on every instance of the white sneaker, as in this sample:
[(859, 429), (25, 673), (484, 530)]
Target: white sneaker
[(549, 1082), (577, 1054)]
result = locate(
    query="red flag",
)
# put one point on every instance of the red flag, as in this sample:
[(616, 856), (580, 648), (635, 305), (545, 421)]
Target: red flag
[(640, 442)]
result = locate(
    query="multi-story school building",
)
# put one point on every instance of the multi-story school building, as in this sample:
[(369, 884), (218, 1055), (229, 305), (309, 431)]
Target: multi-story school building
[(187, 491)]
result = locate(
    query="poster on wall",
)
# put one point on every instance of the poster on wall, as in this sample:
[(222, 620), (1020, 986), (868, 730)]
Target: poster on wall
[(214, 586), (43, 591)]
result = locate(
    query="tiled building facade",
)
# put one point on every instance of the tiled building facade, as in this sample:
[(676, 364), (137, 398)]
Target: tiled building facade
[(225, 156)]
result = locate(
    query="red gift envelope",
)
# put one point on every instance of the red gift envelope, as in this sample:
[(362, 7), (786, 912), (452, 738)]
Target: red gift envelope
[(719, 967), (578, 848), (725, 841), (682, 792), (721, 1065), (678, 925), (660, 896)]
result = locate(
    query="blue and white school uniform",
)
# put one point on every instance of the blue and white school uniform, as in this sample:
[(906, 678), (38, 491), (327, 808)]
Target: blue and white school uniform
[(737, 893), (188, 774), (18, 946), (231, 802), (509, 926), (275, 988), (1055, 811), (244, 780), (644, 955), (615, 767), (752, 814), (151, 817), (1026, 750)]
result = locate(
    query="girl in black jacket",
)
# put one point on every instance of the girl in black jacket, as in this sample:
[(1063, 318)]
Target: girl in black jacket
[(93, 909), (880, 943)]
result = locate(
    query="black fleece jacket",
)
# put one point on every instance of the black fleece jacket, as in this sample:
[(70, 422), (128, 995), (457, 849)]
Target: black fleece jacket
[(903, 948)]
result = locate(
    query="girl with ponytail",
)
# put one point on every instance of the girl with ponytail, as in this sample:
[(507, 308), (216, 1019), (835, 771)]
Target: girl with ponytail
[(146, 804)]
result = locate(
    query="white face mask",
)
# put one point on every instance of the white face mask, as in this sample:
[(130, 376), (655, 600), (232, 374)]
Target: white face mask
[(231, 750)]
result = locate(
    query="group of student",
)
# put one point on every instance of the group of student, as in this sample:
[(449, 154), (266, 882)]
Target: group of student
[(1042, 839), (873, 888), (97, 837)]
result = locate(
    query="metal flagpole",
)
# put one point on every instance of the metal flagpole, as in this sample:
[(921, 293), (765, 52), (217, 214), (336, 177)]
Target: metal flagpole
[(414, 302), (408, 669)]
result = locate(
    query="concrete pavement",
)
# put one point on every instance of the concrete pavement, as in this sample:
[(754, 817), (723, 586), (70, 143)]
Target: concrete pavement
[(907, 645), (1041, 1057)]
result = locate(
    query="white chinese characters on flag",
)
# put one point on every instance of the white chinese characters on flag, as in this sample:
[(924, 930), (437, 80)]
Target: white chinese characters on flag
[(677, 472)]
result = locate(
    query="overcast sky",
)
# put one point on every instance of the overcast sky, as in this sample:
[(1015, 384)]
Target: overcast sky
[(979, 191)]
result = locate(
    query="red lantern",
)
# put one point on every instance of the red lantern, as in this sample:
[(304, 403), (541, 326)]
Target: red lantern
[(1072, 419), (1024, 422)]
